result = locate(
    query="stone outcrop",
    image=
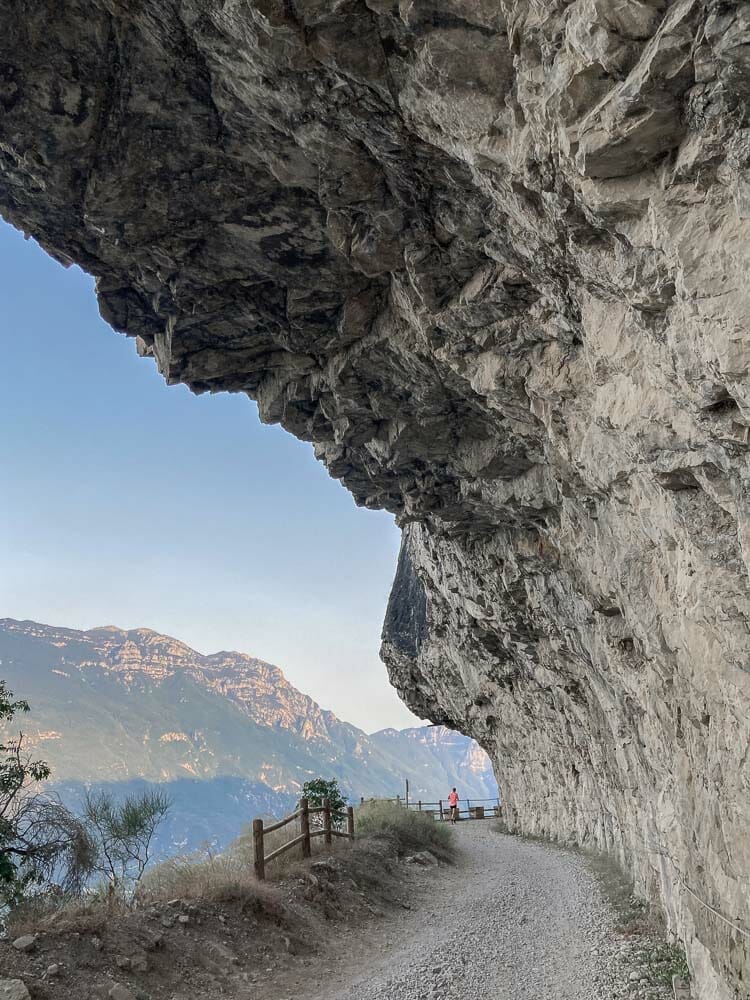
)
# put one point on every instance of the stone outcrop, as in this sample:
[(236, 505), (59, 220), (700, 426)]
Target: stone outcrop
[(491, 259)]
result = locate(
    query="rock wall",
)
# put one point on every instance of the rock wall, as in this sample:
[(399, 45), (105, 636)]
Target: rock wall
[(490, 257)]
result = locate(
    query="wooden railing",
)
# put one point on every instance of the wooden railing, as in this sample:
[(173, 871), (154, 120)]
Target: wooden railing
[(479, 810), (473, 809), (303, 814)]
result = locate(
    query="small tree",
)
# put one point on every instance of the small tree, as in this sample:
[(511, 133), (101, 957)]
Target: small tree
[(41, 841), (122, 833), (318, 789)]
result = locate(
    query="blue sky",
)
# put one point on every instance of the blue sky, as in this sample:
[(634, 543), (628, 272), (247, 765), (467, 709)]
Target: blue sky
[(130, 503)]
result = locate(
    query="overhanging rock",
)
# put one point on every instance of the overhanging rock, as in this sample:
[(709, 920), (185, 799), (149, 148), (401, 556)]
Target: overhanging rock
[(492, 259)]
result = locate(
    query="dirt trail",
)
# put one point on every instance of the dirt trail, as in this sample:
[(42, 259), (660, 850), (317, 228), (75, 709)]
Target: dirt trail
[(513, 920)]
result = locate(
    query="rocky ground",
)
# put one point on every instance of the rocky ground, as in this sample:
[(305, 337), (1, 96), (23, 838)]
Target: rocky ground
[(243, 940), (511, 919)]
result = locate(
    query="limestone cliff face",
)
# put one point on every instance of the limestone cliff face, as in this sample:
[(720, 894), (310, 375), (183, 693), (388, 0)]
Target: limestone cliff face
[(491, 258), (143, 657)]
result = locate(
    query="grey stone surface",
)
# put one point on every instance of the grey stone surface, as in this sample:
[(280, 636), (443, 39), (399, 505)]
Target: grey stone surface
[(423, 858), (491, 258), (121, 992), (27, 942), (680, 989), (13, 989)]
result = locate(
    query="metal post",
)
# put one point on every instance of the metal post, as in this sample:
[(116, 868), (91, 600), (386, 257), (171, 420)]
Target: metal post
[(350, 822), (327, 821), (259, 861), (304, 822)]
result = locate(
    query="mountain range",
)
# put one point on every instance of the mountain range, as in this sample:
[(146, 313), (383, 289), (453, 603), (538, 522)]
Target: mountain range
[(226, 733)]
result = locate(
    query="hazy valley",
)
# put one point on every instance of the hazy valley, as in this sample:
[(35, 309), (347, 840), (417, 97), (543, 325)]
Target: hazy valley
[(227, 734)]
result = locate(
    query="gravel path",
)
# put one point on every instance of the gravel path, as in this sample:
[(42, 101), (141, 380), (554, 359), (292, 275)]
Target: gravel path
[(513, 920)]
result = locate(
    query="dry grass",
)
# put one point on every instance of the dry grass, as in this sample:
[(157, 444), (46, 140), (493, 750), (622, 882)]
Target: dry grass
[(229, 875), (216, 879), (200, 877), (242, 848), (61, 914), (407, 829)]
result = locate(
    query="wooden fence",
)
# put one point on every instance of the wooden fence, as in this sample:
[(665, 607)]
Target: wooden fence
[(260, 858), (473, 809)]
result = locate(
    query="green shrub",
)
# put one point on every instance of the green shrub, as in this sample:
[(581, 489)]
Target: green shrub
[(665, 961), (317, 790), (408, 829)]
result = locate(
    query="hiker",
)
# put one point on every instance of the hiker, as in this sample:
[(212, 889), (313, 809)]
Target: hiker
[(453, 803)]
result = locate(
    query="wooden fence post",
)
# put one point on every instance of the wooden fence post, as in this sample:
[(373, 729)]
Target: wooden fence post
[(304, 822), (440, 803), (350, 822), (258, 857), (420, 805), (327, 821)]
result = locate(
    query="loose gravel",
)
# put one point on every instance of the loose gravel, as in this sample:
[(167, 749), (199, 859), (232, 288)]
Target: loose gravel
[(513, 920)]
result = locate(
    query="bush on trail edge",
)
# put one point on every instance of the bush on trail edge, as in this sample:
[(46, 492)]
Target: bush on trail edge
[(408, 829), (317, 790)]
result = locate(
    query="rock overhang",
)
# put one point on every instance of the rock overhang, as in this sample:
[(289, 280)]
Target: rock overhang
[(490, 260)]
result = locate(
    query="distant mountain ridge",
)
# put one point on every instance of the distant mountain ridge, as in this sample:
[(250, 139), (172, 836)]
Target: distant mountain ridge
[(116, 706)]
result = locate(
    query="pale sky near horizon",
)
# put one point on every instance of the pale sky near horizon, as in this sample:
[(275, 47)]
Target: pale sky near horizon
[(126, 502)]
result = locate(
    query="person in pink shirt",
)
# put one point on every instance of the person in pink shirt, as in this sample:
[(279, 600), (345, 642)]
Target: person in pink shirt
[(453, 803)]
